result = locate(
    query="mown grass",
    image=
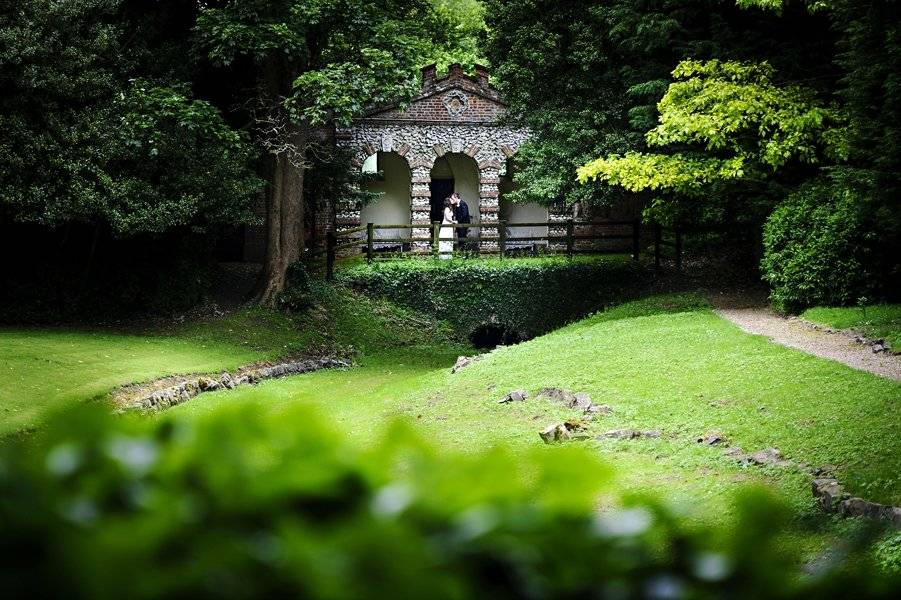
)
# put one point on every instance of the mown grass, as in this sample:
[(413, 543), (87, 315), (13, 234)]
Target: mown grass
[(47, 369), (665, 363), (876, 321)]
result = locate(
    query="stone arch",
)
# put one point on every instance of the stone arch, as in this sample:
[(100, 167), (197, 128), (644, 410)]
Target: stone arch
[(393, 205), (463, 170)]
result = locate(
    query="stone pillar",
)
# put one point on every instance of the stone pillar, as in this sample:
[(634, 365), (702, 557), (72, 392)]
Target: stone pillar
[(489, 202), (421, 201)]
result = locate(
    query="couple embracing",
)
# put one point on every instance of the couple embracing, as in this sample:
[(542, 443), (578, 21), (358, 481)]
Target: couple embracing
[(455, 211)]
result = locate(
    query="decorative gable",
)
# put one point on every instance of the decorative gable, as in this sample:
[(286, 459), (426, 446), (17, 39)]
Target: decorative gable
[(455, 98)]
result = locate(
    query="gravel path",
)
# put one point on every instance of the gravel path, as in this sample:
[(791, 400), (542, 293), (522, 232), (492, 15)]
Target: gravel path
[(795, 333)]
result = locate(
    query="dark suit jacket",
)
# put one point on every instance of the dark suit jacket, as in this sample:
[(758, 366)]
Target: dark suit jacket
[(462, 213)]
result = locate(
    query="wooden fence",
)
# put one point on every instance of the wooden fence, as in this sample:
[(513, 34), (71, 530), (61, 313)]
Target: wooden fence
[(563, 237)]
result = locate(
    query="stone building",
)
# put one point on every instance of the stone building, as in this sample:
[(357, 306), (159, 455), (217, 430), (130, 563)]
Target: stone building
[(448, 139)]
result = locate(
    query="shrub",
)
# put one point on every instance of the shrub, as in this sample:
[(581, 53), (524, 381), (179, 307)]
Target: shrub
[(247, 503), (519, 298), (828, 244)]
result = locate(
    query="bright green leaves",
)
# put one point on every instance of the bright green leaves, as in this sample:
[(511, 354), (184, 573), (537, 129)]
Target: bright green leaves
[(736, 119), (636, 171), (458, 27)]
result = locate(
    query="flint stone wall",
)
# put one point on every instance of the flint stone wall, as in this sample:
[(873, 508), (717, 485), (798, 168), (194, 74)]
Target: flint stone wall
[(458, 114)]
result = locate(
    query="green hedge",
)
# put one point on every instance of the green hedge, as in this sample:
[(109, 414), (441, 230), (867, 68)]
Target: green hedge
[(527, 296), (830, 243), (245, 503)]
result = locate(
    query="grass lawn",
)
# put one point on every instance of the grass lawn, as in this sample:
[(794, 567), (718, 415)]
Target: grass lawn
[(877, 321), (665, 363), (47, 369)]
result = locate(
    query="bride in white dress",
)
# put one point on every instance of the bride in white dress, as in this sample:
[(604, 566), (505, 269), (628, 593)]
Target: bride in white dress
[(446, 233)]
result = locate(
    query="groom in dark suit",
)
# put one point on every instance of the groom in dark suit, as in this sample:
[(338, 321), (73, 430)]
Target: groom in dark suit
[(461, 211)]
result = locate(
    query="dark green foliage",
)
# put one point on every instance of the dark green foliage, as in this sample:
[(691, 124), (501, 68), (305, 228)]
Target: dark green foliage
[(830, 243), (518, 299), (250, 504), (297, 294), (173, 162), (81, 144)]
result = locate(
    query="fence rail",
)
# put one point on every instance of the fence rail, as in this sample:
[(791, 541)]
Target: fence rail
[(563, 237)]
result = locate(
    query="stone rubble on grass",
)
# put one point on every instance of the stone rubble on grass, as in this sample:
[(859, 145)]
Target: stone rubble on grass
[(514, 396), (578, 401), (560, 432), (713, 438), (465, 361), (628, 434), (184, 391), (768, 457), (832, 497)]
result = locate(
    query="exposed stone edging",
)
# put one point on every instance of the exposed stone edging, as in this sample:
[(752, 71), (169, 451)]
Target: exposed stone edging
[(878, 346), (832, 497), (189, 387)]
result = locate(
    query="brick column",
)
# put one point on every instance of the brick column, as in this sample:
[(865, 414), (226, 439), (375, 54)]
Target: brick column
[(420, 200), (489, 203)]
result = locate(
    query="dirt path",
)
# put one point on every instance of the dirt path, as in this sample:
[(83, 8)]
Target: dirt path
[(795, 333)]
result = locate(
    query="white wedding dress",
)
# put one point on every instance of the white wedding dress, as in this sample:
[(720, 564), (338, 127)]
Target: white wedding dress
[(446, 235)]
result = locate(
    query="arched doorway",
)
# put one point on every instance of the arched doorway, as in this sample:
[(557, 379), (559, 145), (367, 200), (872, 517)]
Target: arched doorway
[(390, 178), (455, 172)]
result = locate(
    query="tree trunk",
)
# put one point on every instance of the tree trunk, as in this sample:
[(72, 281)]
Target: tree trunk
[(284, 220)]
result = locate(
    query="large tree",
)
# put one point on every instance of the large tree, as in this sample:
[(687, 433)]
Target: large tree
[(317, 62)]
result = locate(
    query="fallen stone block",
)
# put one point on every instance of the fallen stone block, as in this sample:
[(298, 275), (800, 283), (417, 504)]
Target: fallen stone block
[(207, 385), (464, 361), (581, 402), (712, 438), (828, 493), (226, 381), (514, 396), (559, 432), (768, 457)]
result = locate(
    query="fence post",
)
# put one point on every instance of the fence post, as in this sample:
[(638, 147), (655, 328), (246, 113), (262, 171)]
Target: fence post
[(636, 238), (370, 231), (502, 237), (658, 234), (331, 240), (678, 249), (570, 230), (436, 231)]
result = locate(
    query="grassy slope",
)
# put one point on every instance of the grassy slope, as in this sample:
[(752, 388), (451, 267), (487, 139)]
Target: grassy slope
[(664, 363), (878, 321), (46, 369)]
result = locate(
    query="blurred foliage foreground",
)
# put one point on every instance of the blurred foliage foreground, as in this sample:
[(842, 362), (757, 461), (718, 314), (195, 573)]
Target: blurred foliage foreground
[(241, 504)]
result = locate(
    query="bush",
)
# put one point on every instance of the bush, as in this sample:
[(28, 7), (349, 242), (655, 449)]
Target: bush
[(246, 503), (828, 244), (519, 298)]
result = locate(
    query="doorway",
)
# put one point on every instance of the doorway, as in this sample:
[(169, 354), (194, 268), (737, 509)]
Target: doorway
[(439, 189)]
